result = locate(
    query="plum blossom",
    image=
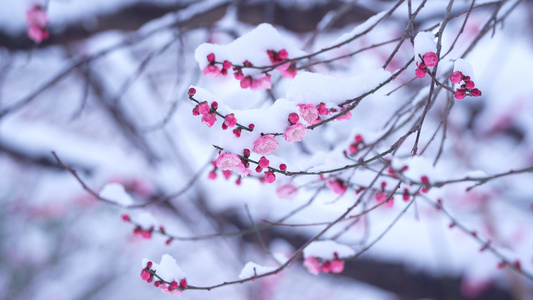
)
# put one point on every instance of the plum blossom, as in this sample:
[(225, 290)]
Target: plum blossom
[(231, 162), (263, 162), (312, 265), (265, 144), (337, 186), (270, 177), (295, 133), (287, 191), (308, 112), (261, 84), (456, 77), (211, 71), (346, 116), (37, 21), (430, 59), (209, 119), (230, 120)]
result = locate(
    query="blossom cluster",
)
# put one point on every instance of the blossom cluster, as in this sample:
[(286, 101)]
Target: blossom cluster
[(315, 265), (174, 287), (254, 82), (467, 88), (37, 21), (430, 59)]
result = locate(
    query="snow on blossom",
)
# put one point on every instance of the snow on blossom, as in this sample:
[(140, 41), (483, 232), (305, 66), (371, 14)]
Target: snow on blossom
[(424, 43), (465, 68), (253, 47), (116, 193), (315, 88), (326, 250), (252, 269), (295, 133), (265, 144), (167, 268)]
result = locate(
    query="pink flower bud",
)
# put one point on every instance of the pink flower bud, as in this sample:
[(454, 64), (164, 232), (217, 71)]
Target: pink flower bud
[(293, 118), (246, 82), (270, 177), (283, 54), (226, 65), (326, 267), (214, 105), (475, 93), (195, 111), (145, 275), (420, 72), (251, 126), (246, 153), (337, 266), (211, 57), (456, 77), (263, 162), (183, 283), (283, 167), (460, 94), (126, 218), (192, 92), (212, 175), (258, 169), (237, 132), (470, 85), (322, 110), (203, 108), (430, 59), (312, 265)]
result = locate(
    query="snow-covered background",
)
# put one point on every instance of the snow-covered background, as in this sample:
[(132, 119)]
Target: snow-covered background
[(111, 101)]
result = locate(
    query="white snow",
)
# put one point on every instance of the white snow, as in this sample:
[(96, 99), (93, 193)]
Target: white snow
[(360, 28), (326, 250), (424, 43), (116, 192), (252, 269)]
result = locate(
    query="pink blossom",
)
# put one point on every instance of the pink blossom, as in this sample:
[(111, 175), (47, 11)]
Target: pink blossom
[(246, 82), (337, 266), (312, 265), (211, 71), (145, 274), (283, 54), (288, 70), (37, 34), (475, 93), (203, 108), (470, 85), (170, 290), (322, 109), (430, 59), (380, 197), (230, 120), (346, 116), (270, 177), (287, 191), (228, 161), (295, 133), (263, 162), (326, 267), (456, 77), (209, 119), (308, 112), (212, 175), (227, 174), (294, 118), (261, 84), (265, 145), (37, 16), (337, 186), (211, 57), (420, 72), (460, 94), (192, 92), (226, 65), (231, 162)]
